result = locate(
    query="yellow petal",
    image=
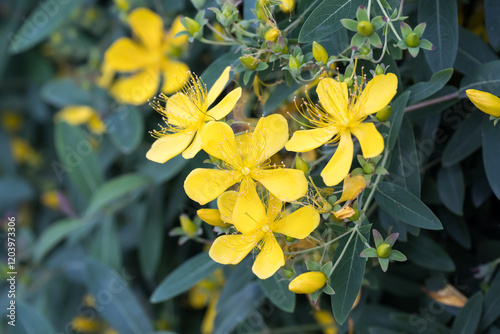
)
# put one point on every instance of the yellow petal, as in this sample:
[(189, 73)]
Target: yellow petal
[(378, 93), (307, 140), (326, 320), (231, 249), (204, 185), (218, 86), (284, 183), (138, 88), (225, 106), (211, 217), (270, 258), (484, 101), (299, 224), (168, 146), (96, 125), (249, 212), (194, 148), (333, 95), (175, 76), (207, 325), (226, 203), (181, 111), (75, 115), (126, 55), (353, 186), (176, 28), (148, 26), (308, 282), (344, 213), (338, 167), (217, 139), (371, 141), (270, 135), (274, 206)]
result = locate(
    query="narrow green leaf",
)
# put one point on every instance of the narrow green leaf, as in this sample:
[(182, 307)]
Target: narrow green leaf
[(54, 234), (115, 302), (184, 277), (451, 188), (422, 90), (491, 158), (442, 31), (31, 320), (105, 244), (278, 95), (492, 22), (426, 253), (472, 51), (347, 277), (491, 306), (63, 92), (163, 172), (485, 77), (45, 19), (404, 206), (152, 235), (468, 318), (213, 72), (395, 120), (325, 19), (276, 290), (126, 129), (465, 141)]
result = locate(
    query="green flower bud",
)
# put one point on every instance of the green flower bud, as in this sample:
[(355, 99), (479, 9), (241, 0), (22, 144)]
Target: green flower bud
[(412, 40), (384, 114), (327, 207), (349, 82), (319, 53), (249, 62), (272, 34), (300, 163), (191, 25), (368, 168), (289, 239), (188, 226), (364, 50), (379, 70), (289, 272), (293, 62), (384, 251), (365, 28)]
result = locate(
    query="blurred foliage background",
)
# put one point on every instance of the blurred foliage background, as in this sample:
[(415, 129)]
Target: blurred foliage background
[(93, 215)]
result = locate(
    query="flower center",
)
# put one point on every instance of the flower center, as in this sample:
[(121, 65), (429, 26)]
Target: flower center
[(365, 28), (245, 171), (266, 228)]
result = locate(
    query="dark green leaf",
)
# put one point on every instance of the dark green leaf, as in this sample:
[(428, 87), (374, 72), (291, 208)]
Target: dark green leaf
[(112, 195), (151, 236), (45, 19), (126, 129), (456, 227), (451, 188), (105, 244), (63, 92), (491, 306), (492, 22), (491, 158), (278, 95), (395, 120), (422, 90), (472, 51), (465, 141), (14, 190), (213, 72), (468, 318), (185, 277), (403, 205), (115, 302), (424, 252), (485, 77), (54, 234), (442, 31), (348, 276), (325, 19), (163, 172), (276, 290), (76, 158), (31, 320)]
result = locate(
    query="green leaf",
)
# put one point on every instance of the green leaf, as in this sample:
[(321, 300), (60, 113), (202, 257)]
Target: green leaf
[(54, 234), (184, 277), (465, 141), (451, 188), (491, 310), (492, 23), (404, 167), (45, 19), (151, 235), (163, 172), (404, 206), (424, 252), (278, 95), (76, 158), (31, 320), (276, 290), (126, 129), (115, 302), (468, 318), (105, 244), (395, 120), (442, 31), (348, 275), (115, 193), (213, 72), (14, 190), (422, 90), (485, 77), (456, 227), (325, 19), (472, 51), (491, 158), (63, 92)]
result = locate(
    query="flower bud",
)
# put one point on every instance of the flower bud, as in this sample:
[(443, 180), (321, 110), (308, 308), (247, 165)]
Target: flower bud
[(368, 168), (384, 114), (188, 226), (293, 62), (327, 207), (365, 28), (287, 6), (249, 62), (412, 40), (379, 70), (289, 272), (300, 163), (319, 53), (272, 34), (355, 216), (220, 29), (349, 82), (289, 239), (364, 49), (384, 251), (308, 282), (191, 25)]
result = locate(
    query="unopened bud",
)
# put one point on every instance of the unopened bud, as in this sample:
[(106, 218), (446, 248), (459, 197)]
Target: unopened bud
[(289, 239), (365, 28), (300, 163), (191, 25), (249, 62), (379, 70), (412, 40), (308, 282), (289, 272), (319, 53), (287, 6), (368, 168), (293, 62), (188, 226), (384, 251), (272, 34), (384, 114)]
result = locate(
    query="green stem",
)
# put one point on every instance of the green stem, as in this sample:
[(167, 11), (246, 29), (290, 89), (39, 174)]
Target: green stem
[(301, 17), (207, 41), (377, 180), (389, 22), (319, 247), (437, 100), (345, 248)]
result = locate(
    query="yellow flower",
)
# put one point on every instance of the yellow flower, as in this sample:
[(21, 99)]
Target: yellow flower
[(257, 226), (50, 199), (186, 114), (485, 102), (83, 324), (78, 115), (12, 121), (326, 320), (222, 217), (146, 59), (308, 282), (22, 152), (353, 186), (341, 115)]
